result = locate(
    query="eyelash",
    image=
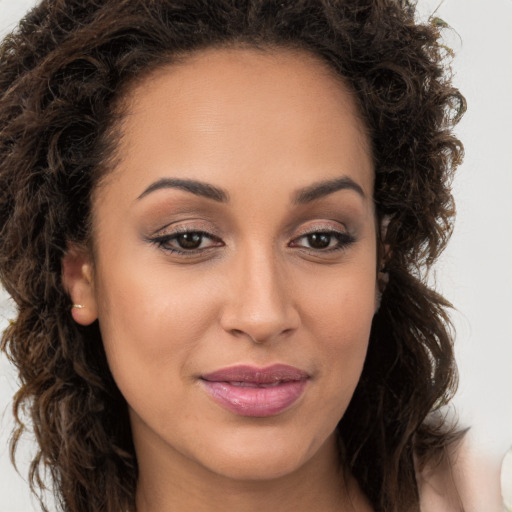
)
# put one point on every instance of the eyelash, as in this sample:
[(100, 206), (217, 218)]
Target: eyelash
[(163, 242), (344, 240)]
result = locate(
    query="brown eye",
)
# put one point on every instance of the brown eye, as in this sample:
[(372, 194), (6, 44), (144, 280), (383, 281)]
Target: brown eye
[(319, 240), (325, 241), (189, 240)]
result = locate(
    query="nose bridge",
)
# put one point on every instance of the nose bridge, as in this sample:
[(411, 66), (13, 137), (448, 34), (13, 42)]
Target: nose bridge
[(260, 304)]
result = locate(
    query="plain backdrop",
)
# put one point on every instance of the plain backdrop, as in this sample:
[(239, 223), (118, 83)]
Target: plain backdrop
[(475, 272)]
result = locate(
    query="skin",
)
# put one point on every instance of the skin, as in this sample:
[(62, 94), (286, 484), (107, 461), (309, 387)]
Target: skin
[(261, 126)]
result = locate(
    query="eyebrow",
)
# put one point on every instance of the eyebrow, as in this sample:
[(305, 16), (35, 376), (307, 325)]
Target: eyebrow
[(195, 187), (301, 196), (324, 188)]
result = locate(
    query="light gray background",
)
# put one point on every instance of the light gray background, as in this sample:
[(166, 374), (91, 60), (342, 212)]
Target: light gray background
[(475, 273)]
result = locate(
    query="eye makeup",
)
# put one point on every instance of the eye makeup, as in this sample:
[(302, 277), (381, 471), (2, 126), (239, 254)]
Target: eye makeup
[(190, 227), (323, 240), (186, 241)]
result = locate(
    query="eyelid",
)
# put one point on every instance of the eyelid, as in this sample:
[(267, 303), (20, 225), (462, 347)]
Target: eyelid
[(185, 225), (164, 236), (321, 226), (344, 238), (163, 242)]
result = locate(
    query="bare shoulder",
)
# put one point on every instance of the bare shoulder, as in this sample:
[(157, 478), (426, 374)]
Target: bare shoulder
[(466, 481)]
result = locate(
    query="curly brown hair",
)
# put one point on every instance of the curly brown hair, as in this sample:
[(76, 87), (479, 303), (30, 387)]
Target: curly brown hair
[(61, 73)]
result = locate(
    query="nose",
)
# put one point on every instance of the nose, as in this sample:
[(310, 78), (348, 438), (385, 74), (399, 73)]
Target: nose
[(260, 306)]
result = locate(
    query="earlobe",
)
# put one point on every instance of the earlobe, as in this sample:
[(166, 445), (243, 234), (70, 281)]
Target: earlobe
[(78, 281)]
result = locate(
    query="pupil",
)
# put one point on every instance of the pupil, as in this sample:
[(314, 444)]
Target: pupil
[(319, 240), (190, 240)]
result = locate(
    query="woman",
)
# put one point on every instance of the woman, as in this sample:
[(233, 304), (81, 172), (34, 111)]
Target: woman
[(216, 218)]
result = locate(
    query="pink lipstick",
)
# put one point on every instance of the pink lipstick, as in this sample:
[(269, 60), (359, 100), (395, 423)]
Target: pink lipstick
[(251, 391)]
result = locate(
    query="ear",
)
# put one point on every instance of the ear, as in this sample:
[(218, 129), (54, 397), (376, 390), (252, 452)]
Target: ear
[(77, 278)]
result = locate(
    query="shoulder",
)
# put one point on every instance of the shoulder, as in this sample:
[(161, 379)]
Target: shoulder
[(465, 480)]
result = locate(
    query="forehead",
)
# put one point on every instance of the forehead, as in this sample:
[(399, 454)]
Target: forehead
[(248, 112)]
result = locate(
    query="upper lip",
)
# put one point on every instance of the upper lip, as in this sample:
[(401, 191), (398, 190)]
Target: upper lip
[(266, 375)]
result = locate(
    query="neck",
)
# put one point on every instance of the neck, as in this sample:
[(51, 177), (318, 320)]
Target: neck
[(171, 481)]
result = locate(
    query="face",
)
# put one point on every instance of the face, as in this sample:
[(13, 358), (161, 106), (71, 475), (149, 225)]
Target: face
[(234, 266)]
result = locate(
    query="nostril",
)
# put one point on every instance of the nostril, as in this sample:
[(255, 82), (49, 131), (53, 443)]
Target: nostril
[(239, 333)]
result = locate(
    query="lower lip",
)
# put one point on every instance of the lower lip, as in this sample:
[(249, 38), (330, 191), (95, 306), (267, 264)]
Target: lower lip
[(255, 401)]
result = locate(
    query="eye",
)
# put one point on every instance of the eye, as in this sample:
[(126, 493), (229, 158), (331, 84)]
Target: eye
[(187, 242), (323, 241)]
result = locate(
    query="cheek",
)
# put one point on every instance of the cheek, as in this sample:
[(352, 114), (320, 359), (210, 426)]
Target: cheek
[(151, 324), (337, 312), (340, 305)]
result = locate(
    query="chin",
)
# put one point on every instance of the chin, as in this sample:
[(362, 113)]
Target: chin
[(258, 467), (261, 458)]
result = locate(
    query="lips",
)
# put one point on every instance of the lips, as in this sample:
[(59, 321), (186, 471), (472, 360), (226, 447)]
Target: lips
[(251, 391)]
